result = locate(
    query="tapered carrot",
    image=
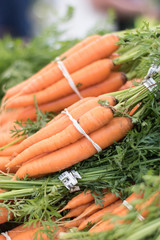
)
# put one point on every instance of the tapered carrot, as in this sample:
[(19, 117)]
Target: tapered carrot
[(70, 108), (63, 122), (88, 76), (9, 150), (129, 84), (143, 208), (90, 122), (108, 199), (122, 210), (30, 234), (74, 212), (73, 223), (114, 56), (81, 199), (96, 217), (111, 84), (5, 138), (78, 151), (14, 90), (3, 162), (15, 231), (96, 50), (5, 214)]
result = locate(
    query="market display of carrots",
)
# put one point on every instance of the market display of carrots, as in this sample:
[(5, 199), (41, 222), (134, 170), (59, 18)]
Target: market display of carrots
[(89, 121)]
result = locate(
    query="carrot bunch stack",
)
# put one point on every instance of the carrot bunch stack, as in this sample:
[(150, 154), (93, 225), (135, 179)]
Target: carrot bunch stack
[(91, 68), (60, 145), (83, 210)]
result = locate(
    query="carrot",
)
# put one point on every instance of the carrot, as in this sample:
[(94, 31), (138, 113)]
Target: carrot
[(143, 207), (111, 84), (70, 108), (15, 231), (90, 122), (78, 151), (81, 199), (119, 211), (96, 217), (101, 48), (74, 212), (107, 225), (5, 215), (129, 84), (30, 234), (3, 162), (134, 109), (73, 223), (14, 90), (88, 76), (11, 114), (62, 123), (107, 200), (5, 138), (8, 151), (114, 56)]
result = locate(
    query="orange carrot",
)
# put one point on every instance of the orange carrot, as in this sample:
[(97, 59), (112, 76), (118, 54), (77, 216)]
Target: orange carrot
[(88, 76), (119, 211), (107, 200), (5, 215), (96, 50), (114, 56), (129, 84), (73, 223), (9, 150), (81, 199), (74, 212), (14, 90), (63, 122), (70, 108), (15, 231), (96, 217), (30, 234), (78, 151), (3, 162), (111, 84), (90, 122), (142, 208)]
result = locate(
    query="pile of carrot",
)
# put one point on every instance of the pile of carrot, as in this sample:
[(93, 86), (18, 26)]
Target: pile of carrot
[(91, 68), (83, 213), (60, 145)]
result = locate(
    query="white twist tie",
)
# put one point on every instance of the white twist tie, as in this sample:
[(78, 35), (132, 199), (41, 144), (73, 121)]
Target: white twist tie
[(140, 217), (80, 129), (130, 207), (149, 82), (127, 205), (5, 234), (68, 77)]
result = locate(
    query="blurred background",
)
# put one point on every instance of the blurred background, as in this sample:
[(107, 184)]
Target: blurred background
[(28, 18)]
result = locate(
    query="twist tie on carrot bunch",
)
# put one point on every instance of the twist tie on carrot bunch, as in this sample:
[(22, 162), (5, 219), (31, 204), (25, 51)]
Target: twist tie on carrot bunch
[(69, 179), (67, 76), (130, 207), (80, 129), (5, 234), (149, 82)]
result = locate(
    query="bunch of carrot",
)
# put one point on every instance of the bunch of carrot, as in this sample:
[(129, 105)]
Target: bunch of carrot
[(91, 68), (60, 145), (83, 209)]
